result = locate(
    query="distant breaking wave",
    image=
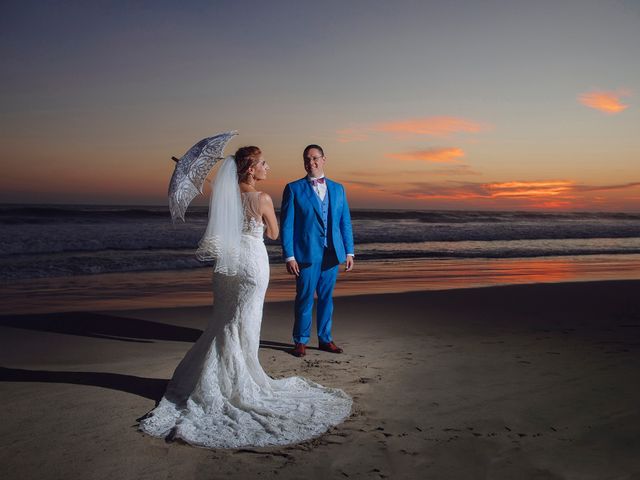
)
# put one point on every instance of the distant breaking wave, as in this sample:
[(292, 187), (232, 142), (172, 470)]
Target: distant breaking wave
[(10, 214)]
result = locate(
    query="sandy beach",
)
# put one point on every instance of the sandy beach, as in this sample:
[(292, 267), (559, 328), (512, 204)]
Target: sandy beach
[(525, 381)]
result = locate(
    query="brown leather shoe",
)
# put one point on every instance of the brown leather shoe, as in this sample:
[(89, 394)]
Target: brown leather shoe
[(299, 350), (330, 347)]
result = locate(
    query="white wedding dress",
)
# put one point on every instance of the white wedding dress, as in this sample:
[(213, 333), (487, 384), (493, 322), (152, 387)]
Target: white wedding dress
[(219, 396)]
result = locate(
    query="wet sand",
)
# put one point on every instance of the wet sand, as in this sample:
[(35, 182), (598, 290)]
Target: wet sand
[(187, 288)]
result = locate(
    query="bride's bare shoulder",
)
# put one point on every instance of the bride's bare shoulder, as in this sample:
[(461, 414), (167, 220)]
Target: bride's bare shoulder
[(265, 198)]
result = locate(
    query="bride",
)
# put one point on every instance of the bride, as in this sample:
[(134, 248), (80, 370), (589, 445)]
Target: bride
[(219, 396)]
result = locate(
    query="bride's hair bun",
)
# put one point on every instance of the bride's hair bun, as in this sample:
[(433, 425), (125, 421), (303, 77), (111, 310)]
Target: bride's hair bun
[(246, 157)]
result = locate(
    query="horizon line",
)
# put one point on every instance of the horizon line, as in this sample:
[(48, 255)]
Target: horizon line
[(533, 210)]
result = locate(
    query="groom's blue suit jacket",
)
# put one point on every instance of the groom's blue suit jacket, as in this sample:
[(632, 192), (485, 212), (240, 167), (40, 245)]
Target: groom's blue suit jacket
[(302, 227)]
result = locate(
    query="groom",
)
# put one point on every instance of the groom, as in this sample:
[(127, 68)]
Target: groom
[(316, 237)]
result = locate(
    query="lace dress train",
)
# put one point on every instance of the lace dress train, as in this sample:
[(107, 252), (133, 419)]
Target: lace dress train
[(219, 395)]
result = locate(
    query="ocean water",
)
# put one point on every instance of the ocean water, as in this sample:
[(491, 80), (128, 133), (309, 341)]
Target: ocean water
[(67, 241)]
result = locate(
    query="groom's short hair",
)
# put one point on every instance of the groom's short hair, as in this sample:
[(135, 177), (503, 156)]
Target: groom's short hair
[(309, 147)]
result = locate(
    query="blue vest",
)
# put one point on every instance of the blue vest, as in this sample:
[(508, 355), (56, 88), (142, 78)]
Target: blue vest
[(324, 208)]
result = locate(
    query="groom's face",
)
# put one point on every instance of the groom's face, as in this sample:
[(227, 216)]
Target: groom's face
[(314, 162)]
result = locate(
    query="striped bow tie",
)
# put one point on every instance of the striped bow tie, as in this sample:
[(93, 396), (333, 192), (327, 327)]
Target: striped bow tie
[(316, 181)]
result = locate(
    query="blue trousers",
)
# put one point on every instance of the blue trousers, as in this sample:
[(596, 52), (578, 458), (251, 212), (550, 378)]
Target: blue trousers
[(317, 278)]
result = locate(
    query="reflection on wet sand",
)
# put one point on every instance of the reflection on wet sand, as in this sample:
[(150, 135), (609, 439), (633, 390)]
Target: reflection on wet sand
[(192, 287)]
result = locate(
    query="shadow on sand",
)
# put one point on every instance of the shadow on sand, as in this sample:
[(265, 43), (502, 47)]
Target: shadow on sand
[(111, 327), (102, 326), (151, 388), (283, 347), (114, 327)]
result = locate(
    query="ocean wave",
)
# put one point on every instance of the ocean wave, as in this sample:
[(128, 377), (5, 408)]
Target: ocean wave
[(42, 214), (473, 216), (92, 237), (20, 267)]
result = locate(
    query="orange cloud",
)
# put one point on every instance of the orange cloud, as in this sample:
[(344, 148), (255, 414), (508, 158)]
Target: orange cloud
[(435, 155), (541, 194), (529, 189), (555, 191), (553, 194), (607, 102)]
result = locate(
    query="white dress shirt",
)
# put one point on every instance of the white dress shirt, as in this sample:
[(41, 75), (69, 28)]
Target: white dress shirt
[(319, 188)]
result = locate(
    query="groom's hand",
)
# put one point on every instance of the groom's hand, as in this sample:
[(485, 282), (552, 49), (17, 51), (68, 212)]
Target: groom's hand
[(348, 264), (293, 268)]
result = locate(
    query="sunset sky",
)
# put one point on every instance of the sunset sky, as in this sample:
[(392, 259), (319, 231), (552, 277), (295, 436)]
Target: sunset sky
[(419, 104)]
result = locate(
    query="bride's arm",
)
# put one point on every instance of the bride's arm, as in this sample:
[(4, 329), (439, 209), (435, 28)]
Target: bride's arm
[(269, 216)]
